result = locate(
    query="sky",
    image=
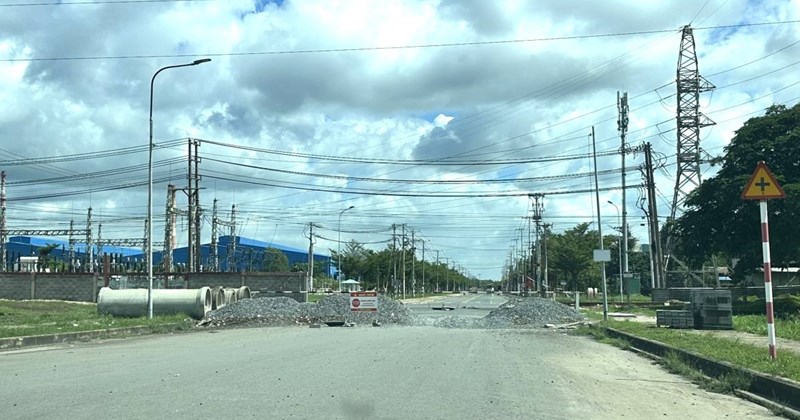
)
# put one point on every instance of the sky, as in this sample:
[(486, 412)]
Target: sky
[(437, 117)]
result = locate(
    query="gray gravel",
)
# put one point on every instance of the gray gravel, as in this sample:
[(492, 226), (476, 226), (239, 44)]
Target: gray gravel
[(533, 312), (278, 311), (528, 312)]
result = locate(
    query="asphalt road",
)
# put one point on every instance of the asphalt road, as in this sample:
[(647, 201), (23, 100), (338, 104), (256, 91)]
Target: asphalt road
[(350, 373), (475, 305)]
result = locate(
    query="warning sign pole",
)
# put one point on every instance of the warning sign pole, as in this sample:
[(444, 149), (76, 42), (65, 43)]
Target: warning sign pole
[(767, 278), (763, 186)]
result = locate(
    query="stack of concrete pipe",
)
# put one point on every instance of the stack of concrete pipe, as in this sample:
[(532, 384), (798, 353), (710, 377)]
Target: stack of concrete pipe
[(133, 302), (222, 296)]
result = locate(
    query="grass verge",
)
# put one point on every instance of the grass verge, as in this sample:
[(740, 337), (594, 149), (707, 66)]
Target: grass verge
[(24, 318), (741, 354), (788, 328)]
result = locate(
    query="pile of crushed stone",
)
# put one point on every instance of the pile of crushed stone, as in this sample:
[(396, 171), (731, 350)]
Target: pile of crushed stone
[(533, 312), (517, 312), (277, 311)]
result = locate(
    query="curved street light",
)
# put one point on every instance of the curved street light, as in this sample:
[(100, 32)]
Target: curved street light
[(339, 246), (150, 188)]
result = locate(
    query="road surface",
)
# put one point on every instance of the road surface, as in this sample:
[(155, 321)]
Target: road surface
[(351, 373), (476, 305)]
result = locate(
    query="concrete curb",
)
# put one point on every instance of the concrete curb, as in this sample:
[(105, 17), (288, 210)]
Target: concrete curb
[(782, 392), (13, 343)]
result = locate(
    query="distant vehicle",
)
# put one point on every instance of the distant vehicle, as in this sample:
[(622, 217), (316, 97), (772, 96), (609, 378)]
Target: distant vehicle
[(473, 290)]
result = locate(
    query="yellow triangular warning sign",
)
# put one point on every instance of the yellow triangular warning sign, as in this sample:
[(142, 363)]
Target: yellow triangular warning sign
[(762, 185)]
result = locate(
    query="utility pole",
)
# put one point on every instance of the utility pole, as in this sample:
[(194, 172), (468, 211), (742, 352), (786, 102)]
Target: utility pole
[(437, 271), (600, 230), (72, 247), (3, 235), (544, 255), (538, 209), (169, 229), (310, 256), (89, 244), (656, 258), (394, 259), (447, 273), (413, 266), (403, 258), (213, 255), (423, 267), (622, 127)]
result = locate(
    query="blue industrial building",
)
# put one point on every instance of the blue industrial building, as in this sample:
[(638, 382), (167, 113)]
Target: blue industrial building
[(249, 254)]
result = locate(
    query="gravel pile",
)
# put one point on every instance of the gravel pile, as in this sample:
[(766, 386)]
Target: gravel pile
[(283, 311), (278, 311), (336, 307), (532, 311)]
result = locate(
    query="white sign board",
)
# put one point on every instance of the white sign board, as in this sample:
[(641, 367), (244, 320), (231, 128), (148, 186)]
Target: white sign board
[(364, 301), (602, 255)]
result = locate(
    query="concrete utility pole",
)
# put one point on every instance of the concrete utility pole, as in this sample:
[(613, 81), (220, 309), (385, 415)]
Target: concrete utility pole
[(169, 229), (413, 266), (600, 229), (656, 256), (538, 210), (437, 271), (423, 267), (394, 259), (310, 270), (403, 258), (3, 234), (71, 246), (622, 127), (89, 244)]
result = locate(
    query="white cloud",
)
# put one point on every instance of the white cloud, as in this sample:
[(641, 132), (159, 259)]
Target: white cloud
[(526, 100)]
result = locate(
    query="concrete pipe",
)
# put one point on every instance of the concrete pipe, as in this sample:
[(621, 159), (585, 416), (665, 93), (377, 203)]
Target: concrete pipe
[(243, 293), (133, 302), (217, 297), (230, 295)]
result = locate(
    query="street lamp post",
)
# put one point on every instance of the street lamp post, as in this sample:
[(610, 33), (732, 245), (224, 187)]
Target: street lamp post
[(619, 249), (339, 245), (150, 188)]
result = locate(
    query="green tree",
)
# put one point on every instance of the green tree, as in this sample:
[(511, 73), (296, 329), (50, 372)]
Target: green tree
[(570, 255), (44, 256), (275, 261), (717, 220)]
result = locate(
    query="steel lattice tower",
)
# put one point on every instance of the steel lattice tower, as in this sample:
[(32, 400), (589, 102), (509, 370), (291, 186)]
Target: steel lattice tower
[(689, 121), (690, 84)]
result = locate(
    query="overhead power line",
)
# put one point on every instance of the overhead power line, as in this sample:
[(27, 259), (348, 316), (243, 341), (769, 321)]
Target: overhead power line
[(392, 47)]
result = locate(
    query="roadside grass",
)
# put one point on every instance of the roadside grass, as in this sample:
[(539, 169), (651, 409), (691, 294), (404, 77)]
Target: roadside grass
[(788, 328), (741, 354), (31, 317), (725, 384)]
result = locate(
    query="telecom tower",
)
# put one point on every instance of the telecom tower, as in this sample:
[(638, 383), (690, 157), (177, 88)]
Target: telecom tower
[(689, 120)]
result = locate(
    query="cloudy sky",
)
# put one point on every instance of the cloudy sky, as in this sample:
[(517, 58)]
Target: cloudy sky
[(440, 115)]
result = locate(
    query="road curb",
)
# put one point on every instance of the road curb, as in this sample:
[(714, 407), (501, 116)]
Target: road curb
[(13, 343), (778, 391)]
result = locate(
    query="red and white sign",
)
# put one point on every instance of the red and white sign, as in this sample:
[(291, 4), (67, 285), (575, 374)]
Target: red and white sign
[(363, 301)]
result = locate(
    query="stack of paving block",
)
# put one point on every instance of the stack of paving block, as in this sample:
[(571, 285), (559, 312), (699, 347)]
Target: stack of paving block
[(675, 318), (712, 309)]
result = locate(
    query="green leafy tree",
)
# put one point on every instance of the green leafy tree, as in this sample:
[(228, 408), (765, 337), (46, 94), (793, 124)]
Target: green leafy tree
[(571, 255), (44, 256), (717, 220), (275, 261)]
